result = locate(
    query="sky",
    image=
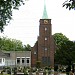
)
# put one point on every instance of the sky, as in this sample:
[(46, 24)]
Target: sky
[(25, 23)]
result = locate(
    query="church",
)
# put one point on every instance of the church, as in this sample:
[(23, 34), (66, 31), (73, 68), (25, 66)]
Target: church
[(43, 50)]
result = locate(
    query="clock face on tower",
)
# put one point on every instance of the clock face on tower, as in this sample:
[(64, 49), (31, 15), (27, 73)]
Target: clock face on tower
[(45, 21)]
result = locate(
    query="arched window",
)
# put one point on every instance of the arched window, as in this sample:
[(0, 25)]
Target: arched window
[(45, 38), (45, 48), (45, 28)]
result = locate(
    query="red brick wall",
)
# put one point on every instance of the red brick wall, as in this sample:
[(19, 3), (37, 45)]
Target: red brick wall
[(42, 44)]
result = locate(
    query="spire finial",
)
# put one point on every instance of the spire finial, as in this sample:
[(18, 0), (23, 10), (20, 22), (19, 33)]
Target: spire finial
[(45, 16)]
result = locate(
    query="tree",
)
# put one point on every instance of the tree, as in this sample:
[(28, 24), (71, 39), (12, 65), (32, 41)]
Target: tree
[(10, 44), (27, 47), (65, 53), (63, 56), (59, 39), (69, 4), (6, 8)]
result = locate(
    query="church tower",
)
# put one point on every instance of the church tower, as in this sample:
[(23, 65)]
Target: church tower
[(43, 50)]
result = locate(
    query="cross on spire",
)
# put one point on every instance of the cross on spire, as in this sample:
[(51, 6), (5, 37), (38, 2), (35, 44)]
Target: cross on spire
[(45, 16)]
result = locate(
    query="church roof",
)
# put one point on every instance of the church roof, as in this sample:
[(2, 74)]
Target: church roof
[(45, 16)]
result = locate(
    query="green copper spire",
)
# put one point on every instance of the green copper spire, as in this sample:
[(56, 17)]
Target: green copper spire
[(45, 16)]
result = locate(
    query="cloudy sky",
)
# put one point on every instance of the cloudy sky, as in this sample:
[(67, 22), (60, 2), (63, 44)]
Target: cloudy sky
[(25, 23)]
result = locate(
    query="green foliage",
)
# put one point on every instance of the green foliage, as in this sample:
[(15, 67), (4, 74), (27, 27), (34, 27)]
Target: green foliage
[(69, 4), (12, 45), (68, 69), (38, 64), (55, 67), (59, 39), (47, 68), (27, 47), (25, 71), (1, 73), (6, 8), (15, 71), (65, 53)]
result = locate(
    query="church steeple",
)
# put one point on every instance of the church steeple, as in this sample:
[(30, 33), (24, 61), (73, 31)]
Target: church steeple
[(45, 16)]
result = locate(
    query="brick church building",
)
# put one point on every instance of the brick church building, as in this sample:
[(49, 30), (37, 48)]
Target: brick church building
[(44, 47), (42, 51)]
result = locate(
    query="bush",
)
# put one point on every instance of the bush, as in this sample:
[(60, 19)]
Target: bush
[(1, 73), (34, 69), (55, 67), (9, 71), (68, 69), (38, 64), (15, 70)]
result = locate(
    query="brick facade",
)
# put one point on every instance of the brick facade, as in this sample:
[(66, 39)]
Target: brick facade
[(43, 49)]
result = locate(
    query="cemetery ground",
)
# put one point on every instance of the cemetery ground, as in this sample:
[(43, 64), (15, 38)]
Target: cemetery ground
[(26, 71), (32, 71)]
